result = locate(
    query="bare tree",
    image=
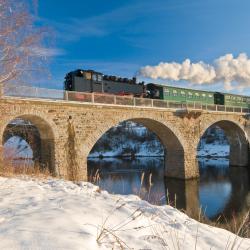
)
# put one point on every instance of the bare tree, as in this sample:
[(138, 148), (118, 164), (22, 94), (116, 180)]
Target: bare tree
[(20, 42)]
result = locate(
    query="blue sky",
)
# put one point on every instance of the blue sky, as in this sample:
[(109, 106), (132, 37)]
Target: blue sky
[(120, 37)]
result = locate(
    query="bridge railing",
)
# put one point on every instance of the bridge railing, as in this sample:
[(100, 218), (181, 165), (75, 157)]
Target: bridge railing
[(33, 92), (99, 98)]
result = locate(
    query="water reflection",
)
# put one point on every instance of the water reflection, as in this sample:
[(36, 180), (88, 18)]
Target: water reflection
[(223, 190), (220, 190), (142, 176)]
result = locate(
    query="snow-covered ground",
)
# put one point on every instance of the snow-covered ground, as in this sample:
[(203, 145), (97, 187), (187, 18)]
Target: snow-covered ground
[(18, 148), (57, 214)]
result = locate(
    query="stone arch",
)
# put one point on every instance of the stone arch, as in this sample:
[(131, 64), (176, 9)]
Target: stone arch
[(167, 134), (30, 134), (46, 140), (237, 138)]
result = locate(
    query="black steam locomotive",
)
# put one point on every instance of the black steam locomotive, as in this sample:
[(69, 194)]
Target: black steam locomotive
[(92, 81)]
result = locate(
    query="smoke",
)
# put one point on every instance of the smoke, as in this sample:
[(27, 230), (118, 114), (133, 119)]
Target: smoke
[(234, 72)]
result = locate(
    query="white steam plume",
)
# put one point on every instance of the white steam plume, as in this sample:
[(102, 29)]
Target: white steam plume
[(226, 69)]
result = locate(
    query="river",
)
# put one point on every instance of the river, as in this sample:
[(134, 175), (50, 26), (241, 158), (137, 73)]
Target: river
[(221, 191)]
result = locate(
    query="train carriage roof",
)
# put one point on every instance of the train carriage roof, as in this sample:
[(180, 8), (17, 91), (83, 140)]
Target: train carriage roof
[(179, 88)]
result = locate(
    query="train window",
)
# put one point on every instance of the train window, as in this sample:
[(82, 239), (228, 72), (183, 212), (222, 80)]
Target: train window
[(166, 91), (210, 95), (94, 77), (197, 95), (190, 95), (204, 95), (175, 92), (244, 99), (157, 93), (88, 75), (183, 93), (99, 78)]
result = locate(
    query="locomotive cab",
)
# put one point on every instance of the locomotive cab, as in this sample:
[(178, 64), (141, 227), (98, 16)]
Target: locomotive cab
[(96, 77)]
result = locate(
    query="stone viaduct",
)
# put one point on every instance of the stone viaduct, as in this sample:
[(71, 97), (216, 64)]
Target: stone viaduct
[(69, 130)]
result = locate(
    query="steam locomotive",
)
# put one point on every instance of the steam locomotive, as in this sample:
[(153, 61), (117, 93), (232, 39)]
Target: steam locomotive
[(92, 81)]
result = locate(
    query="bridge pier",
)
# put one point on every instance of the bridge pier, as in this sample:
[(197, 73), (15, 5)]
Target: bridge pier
[(1, 157), (47, 157), (239, 154), (184, 195), (181, 165)]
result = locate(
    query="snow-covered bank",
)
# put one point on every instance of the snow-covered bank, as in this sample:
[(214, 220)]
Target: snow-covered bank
[(213, 150), (207, 150), (56, 214)]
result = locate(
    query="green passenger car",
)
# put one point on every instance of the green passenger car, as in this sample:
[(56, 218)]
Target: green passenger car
[(187, 95), (237, 100), (177, 94)]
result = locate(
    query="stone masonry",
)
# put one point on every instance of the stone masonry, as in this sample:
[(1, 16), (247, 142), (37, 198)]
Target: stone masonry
[(69, 130)]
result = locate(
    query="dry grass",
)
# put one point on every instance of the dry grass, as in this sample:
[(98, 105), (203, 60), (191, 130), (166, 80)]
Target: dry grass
[(166, 237), (239, 225), (108, 233), (9, 168)]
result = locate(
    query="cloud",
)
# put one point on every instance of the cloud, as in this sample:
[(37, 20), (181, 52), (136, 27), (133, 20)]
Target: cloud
[(234, 72), (47, 52)]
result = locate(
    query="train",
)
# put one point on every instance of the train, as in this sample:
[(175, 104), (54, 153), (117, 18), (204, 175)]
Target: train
[(92, 81)]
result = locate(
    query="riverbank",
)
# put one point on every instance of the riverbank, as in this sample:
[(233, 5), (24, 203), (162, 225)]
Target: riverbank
[(57, 214), (206, 150)]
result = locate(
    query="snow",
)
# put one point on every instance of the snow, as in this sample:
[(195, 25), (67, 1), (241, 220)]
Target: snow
[(17, 147), (56, 214), (142, 149), (214, 149)]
